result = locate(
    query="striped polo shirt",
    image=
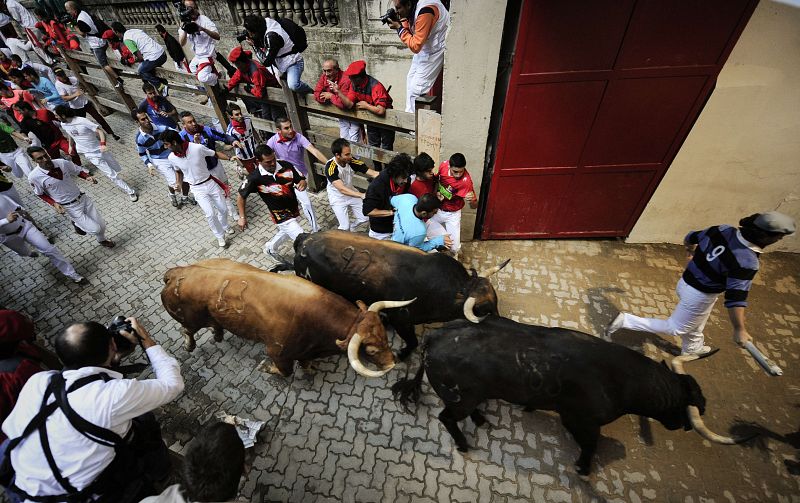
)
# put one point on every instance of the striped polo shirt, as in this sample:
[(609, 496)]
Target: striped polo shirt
[(150, 145), (247, 139), (724, 261)]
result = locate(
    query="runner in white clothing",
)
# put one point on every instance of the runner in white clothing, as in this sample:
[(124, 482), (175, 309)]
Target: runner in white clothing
[(83, 137), (209, 191), (17, 231), (53, 181)]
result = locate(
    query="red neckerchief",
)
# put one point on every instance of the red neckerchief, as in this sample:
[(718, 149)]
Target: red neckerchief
[(185, 149), (396, 189), (281, 139), (56, 172), (240, 127), (152, 104)]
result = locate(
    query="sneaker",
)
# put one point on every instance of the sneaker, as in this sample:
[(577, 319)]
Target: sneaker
[(78, 230), (34, 254), (615, 324), (192, 201), (108, 243), (273, 254), (700, 352), (230, 232), (134, 197), (120, 84), (222, 243), (163, 89), (174, 200), (116, 138), (80, 280)]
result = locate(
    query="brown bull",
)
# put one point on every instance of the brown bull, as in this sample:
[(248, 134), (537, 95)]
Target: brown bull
[(296, 319)]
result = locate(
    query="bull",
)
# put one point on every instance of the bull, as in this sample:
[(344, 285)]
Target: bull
[(589, 382), (358, 267), (296, 319)]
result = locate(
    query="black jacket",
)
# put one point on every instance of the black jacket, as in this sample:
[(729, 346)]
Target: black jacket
[(378, 195)]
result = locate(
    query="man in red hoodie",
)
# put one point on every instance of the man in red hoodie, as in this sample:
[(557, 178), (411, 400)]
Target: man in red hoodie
[(332, 86), (255, 79)]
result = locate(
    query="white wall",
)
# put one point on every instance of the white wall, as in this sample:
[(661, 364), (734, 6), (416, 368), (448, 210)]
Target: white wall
[(743, 154)]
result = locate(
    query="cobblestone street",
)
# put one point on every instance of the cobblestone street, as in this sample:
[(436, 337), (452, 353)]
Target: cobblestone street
[(332, 435)]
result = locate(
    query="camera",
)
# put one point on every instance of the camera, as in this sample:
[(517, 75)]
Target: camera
[(65, 18), (391, 15), (241, 37), (114, 328), (186, 15)]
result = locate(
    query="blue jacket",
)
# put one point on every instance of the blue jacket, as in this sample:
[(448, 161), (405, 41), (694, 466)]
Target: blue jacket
[(150, 146), (49, 91), (209, 137), (408, 228)]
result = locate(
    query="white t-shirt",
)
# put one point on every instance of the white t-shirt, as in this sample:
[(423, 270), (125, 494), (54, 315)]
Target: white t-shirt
[(83, 132), (62, 191), (65, 89), (94, 42), (193, 165), (202, 44), (149, 48), (21, 14), (7, 205)]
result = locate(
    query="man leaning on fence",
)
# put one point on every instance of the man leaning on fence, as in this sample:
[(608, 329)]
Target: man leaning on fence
[(203, 35)]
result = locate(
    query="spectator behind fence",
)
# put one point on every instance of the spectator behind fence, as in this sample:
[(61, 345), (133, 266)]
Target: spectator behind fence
[(88, 28), (213, 465), (203, 34), (25, 19), (58, 33), (333, 87), (44, 70), (366, 93), (422, 26), (255, 80), (147, 51), (392, 181), (116, 450), (275, 48), (19, 359), (174, 49)]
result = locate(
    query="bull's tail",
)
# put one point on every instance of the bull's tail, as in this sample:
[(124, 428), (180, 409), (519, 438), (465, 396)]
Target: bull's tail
[(407, 391)]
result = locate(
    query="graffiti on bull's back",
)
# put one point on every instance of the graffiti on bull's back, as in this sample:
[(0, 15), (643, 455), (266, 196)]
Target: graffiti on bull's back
[(356, 263), (233, 302), (536, 366)]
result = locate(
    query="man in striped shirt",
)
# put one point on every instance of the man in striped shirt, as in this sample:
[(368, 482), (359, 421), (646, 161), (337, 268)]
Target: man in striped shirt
[(722, 259), (241, 128)]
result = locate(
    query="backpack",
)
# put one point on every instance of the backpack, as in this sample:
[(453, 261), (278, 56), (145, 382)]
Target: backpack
[(296, 33)]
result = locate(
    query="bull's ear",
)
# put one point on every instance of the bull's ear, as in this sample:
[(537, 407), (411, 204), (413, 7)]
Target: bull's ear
[(361, 305)]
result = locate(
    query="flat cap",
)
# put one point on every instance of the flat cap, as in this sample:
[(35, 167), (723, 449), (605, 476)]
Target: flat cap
[(356, 68), (775, 222)]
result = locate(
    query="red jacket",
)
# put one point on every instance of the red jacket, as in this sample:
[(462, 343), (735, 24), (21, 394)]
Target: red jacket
[(370, 91), (259, 79), (324, 86)]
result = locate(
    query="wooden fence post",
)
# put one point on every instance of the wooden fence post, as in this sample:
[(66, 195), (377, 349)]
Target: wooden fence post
[(91, 90), (299, 118), (218, 104), (428, 125)]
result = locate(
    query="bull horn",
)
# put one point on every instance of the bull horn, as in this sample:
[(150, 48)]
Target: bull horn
[(694, 413), (469, 314), (355, 362), (495, 269), (388, 304)]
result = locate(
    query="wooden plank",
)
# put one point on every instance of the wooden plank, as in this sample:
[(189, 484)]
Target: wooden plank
[(359, 181), (358, 149), (429, 133), (113, 104)]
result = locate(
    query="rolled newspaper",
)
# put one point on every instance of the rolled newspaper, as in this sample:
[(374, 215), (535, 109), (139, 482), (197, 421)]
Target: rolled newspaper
[(767, 364)]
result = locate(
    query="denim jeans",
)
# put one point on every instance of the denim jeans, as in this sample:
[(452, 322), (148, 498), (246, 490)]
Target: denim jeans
[(293, 74), (146, 68)]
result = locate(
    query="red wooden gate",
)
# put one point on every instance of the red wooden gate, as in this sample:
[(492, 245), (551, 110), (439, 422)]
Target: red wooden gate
[(602, 95)]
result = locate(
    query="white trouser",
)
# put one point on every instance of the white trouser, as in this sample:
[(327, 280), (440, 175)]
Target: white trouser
[(18, 161), (211, 199), (166, 170), (450, 221), (12, 194), (84, 214), (340, 205), (219, 173), (206, 75), (424, 71), (687, 320), (289, 229), (35, 238), (380, 235), (349, 130), (308, 209), (106, 163)]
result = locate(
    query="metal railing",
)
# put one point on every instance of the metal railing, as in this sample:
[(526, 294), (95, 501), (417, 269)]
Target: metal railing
[(147, 13), (425, 123), (302, 12)]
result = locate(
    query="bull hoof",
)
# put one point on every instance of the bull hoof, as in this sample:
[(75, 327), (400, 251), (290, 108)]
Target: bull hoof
[(463, 448), (308, 367), (478, 419), (218, 335)]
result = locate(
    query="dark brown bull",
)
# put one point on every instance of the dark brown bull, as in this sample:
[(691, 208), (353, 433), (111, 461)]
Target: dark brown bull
[(358, 267), (296, 319)]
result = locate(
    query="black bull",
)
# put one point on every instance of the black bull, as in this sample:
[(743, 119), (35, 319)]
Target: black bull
[(358, 267), (587, 381)]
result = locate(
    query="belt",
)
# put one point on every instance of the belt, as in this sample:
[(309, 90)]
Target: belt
[(201, 183), (15, 232), (74, 200)]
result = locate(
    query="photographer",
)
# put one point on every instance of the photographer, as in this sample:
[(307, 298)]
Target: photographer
[(203, 34), (126, 454), (422, 26), (274, 47)]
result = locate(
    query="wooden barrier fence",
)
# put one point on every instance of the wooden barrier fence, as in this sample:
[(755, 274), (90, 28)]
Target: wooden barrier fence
[(425, 124)]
